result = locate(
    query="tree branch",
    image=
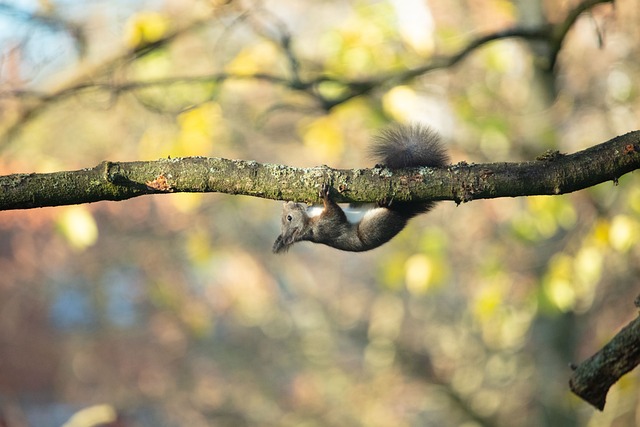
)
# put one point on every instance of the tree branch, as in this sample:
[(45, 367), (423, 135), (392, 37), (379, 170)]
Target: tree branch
[(551, 174), (40, 102), (553, 35), (592, 379), (560, 30)]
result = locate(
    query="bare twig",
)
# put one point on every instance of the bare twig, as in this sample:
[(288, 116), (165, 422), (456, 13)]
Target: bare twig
[(40, 102), (553, 35), (560, 31), (593, 378)]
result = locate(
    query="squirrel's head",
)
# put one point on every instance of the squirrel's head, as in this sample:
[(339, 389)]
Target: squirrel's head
[(295, 226)]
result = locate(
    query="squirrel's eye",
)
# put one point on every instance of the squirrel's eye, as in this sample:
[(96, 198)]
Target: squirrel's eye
[(289, 218)]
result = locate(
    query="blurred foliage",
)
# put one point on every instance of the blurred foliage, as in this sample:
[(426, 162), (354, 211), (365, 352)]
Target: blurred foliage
[(145, 27), (171, 310)]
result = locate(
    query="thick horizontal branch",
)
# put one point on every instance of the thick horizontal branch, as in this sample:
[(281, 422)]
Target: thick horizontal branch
[(551, 174), (592, 379)]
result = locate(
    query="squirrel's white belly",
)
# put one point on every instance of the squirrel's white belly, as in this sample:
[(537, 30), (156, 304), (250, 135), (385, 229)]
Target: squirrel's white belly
[(354, 213)]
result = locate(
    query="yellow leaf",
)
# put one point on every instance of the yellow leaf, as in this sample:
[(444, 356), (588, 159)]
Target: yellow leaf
[(559, 282), (145, 27), (588, 265), (78, 227), (421, 274), (561, 293), (489, 300), (198, 128), (253, 59), (623, 233), (600, 232), (93, 415)]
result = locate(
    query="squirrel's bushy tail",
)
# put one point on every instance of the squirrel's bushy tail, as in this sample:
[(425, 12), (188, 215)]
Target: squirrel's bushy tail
[(405, 146)]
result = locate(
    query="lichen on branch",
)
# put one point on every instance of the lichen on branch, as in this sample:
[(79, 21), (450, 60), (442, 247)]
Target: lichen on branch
[(462, 182)]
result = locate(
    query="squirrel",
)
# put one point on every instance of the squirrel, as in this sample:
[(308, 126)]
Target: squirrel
[(400, 146)]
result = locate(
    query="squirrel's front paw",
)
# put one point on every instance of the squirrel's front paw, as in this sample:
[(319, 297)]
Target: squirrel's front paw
[(385, 203), (324, 191)]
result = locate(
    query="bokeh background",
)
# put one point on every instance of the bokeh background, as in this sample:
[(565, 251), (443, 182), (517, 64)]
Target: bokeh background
[(171, 310)]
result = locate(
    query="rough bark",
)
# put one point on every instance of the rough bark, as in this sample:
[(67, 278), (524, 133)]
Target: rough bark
[(550, 174), (592, 379)]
